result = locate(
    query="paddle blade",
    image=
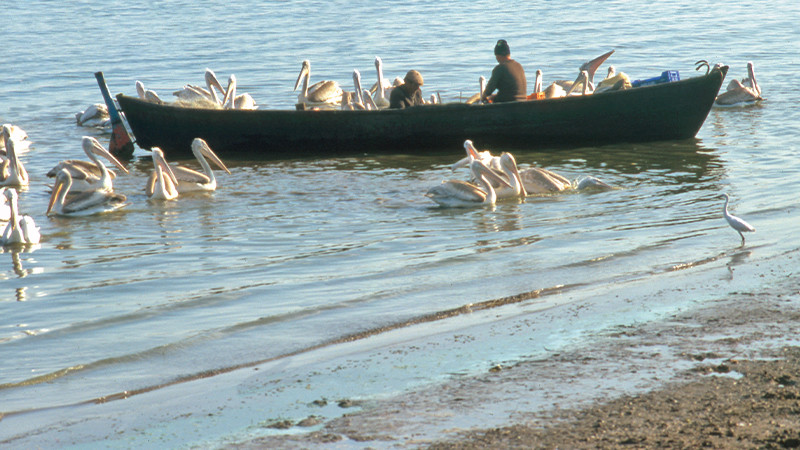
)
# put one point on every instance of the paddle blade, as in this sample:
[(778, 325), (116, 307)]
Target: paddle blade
[(121, 145)]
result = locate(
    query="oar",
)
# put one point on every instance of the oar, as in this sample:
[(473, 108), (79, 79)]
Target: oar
[(121, 145)]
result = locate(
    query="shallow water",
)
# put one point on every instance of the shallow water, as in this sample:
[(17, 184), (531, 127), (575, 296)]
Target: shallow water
[(289, 258)]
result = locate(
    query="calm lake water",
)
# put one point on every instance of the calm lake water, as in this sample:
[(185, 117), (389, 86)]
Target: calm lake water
[(287, 259)]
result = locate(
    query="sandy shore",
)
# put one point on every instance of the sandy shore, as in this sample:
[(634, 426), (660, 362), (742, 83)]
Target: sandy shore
[(723, 375)]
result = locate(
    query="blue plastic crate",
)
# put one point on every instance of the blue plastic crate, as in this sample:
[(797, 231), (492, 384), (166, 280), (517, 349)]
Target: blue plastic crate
[(666, 77)]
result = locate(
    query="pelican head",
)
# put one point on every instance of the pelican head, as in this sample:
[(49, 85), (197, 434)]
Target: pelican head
[(161, 163), (591, 66), (230, 93), (305, 73), (357, 83), (213, 84), (92, 146), (200, 147), (482, 171), (752, 74), (509, 165), (60, 189)]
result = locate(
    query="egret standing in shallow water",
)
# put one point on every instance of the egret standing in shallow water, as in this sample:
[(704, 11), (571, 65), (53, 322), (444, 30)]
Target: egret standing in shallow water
[(736, 223)]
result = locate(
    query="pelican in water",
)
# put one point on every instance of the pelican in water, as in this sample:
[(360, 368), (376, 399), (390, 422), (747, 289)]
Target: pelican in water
[(12, 172), (485, 157), (147, 94), (162, 184), (509, 166), (457, 193), (95, 116), (90, 176), (735, 222), (16, 133), (190, 180), (5, 208), (382, 88), (326, 92), (505, 163), (82, 203), (20, 229), (744, 92)]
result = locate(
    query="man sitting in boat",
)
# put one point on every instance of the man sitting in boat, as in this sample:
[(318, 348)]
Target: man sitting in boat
[(408, 93), (508, 77)]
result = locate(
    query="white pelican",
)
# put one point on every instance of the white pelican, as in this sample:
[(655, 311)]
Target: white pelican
[(162, 184), (83, 203), (479, 96), (90, 176), (5, 208), (189, 180), (234, 101), (554, 91), (95, 116), (537, 83), (20, 229), (590, 67), (583, 80), (735, 222), (472, 153), (12, 172), (326, 92), (742, 92), (383, 87), (613, 81), (208, 95), (358, 97), (457, 193), (542, 181), (16, 133), (509, 166), (147, 94)]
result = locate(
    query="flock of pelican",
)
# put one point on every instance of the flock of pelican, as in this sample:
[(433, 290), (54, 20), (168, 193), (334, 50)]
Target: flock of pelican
[(328, 94), (194, 96), (87, 187), (498, 177)]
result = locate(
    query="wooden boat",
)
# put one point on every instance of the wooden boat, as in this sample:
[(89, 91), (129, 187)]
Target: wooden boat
[(672, 110)]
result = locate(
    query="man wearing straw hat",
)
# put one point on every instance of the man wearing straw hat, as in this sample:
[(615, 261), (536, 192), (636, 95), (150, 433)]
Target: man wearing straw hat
[(408, 93)]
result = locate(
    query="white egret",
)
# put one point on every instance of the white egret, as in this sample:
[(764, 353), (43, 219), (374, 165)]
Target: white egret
[(735, 222)]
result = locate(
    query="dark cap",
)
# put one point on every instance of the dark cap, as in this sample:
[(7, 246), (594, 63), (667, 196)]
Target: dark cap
[(501, 48), (413, 77)]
